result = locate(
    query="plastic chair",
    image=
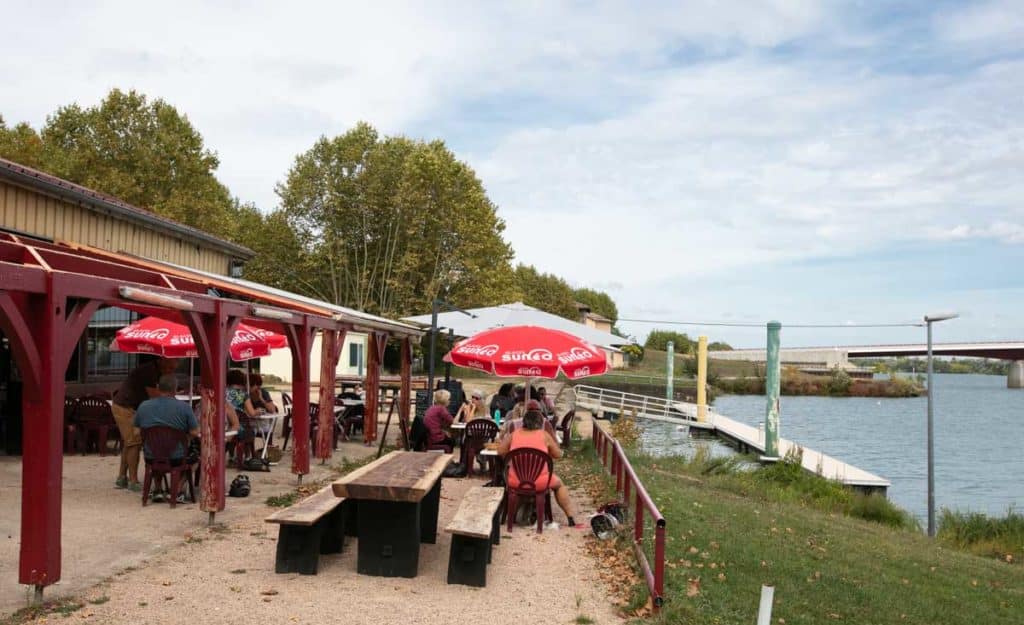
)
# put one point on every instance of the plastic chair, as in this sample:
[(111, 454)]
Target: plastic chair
[(286, 421), (161, 442), (94, 417), (478, 432), (528, 464), (314, 426), (566, 428)]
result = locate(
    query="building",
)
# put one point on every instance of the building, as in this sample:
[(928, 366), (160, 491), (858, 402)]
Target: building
[(600, 323)]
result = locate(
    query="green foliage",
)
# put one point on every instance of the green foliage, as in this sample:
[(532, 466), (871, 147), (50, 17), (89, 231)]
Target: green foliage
[(1000, 537), (984, 366), (143, 152), (719, 346), (839, 382), (599, 302), (546, 291), (283, 500), (634, 352), (658, 339), (388, 224)]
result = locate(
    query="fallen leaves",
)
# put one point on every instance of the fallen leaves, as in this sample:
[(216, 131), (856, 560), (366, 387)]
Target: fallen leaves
[(692, 587)]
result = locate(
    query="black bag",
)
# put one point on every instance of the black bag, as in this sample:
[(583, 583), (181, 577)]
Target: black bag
[(240, 486), (454, 469), (256, 464), (419, 435)]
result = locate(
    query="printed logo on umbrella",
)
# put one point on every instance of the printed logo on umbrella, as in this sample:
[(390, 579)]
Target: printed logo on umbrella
[(581, 372), (531, 356), (470, 349), (530, 371), (139, 333), (573, 355)]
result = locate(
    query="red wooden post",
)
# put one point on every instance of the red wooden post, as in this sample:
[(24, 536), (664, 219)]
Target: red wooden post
[(638, 527), (330, 352), (377, 343), (405, 393), (300, 342), (659, 560)]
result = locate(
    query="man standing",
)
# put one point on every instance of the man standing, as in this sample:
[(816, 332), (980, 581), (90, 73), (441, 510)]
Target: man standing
[(167, 411), (140, 385)]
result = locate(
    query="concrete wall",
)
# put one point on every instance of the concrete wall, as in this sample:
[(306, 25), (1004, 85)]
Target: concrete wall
[(825, 357)]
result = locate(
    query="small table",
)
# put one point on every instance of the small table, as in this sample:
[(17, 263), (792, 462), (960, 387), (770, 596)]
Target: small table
[(265, 424), (496, 463), (398, 497)]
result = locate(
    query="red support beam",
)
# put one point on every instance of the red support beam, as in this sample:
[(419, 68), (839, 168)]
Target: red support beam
[(378, 342), (330, 352), (405, 392), (300, 342)]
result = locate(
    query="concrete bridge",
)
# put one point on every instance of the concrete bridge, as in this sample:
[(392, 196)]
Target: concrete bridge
[(840, 356)]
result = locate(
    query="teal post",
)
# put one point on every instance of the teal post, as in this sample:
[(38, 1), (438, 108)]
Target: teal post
[(670, 370), (771, 391)]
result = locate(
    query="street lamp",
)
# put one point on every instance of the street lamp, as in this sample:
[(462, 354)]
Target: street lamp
[(929, 320)]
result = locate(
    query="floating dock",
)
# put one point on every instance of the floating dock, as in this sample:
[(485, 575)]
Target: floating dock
[(746, 438)]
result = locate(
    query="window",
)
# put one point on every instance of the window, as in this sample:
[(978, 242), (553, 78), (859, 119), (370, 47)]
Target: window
[(100, 361), (355, 355)]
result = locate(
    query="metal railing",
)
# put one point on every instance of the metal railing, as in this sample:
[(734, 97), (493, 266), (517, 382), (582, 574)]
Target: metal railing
[(627, 483), (602, 399)]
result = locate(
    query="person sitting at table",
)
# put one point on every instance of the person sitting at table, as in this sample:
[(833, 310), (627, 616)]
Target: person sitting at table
[(511, 425), (473, 408), (167, 411), (437, 419), (140, 385), (547, 405), (238, 402), (532, 435), (259, 396), (503, 401)]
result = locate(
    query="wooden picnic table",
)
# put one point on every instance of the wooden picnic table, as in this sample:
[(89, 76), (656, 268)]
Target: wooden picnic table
[(397, 500)]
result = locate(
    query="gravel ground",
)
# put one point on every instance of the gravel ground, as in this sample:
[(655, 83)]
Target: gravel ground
[(154, 565)]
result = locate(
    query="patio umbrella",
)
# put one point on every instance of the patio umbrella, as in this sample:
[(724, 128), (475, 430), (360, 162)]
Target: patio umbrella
[(528, 351), (153, 335)]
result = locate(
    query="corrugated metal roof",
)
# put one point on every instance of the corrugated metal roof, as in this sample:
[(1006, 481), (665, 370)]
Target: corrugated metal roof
[(71, 192), (518, 314)]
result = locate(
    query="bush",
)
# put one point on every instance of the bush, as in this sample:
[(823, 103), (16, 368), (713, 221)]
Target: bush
[(839, 382), (1002, 537)]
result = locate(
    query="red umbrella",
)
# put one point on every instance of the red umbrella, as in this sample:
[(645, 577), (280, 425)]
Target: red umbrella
[(153, 335), (529, 351)]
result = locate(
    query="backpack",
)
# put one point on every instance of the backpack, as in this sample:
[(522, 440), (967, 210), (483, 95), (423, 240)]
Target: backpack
[(419, 434), (240, 486)]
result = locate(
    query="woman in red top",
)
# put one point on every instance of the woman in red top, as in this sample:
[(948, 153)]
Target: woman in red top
[(532, 435)]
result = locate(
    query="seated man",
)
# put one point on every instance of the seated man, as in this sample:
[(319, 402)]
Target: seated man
[(511, 425), (532, 435), (259, 396), (167, 411)]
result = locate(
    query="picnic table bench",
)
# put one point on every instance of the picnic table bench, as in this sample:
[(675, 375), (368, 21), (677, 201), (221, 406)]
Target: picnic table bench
[(475, 529), (309, 528), (398, 499)]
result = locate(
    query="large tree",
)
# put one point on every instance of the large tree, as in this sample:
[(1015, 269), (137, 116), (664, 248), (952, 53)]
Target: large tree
[(388, 224), (546, 291), (143, 152), (599, 302)]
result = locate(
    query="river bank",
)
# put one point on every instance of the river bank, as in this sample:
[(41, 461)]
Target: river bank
[(837, 384), (727, 537)]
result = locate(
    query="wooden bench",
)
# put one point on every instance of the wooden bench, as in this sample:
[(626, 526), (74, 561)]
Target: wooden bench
[(313, 526), (475, 529)]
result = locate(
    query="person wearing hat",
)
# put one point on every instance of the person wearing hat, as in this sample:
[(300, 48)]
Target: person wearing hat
[(474, 408), (513, 424)]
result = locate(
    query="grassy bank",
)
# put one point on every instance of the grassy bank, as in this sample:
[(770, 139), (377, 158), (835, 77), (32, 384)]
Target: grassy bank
[(727, 536), (838, 384)]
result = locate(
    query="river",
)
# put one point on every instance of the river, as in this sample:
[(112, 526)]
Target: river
[(979, 433)]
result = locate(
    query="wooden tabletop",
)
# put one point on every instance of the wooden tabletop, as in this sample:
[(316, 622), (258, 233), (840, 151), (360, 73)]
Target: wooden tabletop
[(399, 476)]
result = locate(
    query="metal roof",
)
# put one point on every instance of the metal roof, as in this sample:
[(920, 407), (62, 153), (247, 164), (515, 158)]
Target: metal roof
[(96, 201), (518, 314)]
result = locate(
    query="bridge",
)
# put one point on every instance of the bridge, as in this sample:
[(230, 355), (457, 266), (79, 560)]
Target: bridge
[(840, 356)]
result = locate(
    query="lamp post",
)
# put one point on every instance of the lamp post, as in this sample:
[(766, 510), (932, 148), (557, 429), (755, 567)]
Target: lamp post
[(929, 320), (437, 303)]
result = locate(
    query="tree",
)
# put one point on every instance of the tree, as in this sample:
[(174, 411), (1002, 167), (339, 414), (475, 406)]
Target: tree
[(719, 346), (21, 144), (386, 225), (658, 339), (598, 301), (546, 291)]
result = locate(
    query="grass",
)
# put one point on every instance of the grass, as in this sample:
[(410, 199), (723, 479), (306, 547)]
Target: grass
[(728, 533), (283, 500), (999, 537), (583, 620), (62, 607)]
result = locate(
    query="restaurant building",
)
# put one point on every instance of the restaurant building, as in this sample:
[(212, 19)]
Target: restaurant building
[(75, 265)]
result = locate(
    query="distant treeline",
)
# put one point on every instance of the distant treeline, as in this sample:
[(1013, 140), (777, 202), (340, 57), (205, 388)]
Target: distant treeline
[(986, 366)]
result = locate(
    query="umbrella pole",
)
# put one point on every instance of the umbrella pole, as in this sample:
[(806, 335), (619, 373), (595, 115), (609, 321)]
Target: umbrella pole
[(191, 376)]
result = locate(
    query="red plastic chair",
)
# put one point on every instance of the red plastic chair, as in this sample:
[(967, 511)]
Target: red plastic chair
[(566, 428), (94, 417), (478, 433), (161, 442), (528, 464), (286, 422), (244, 447)]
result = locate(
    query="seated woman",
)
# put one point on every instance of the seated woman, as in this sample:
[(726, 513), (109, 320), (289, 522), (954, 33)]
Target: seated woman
[(259, 396), (533, 436), (437, 419), (511, 425), (238, 401), (503, 401), (472, 409)]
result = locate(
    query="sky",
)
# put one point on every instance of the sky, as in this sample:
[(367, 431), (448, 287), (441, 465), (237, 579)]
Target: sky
[(812, 162)]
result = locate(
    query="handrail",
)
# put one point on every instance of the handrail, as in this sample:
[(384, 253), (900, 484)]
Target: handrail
[(625, 478)]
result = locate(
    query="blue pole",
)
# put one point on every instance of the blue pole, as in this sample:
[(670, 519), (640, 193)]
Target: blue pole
[(771, 391)]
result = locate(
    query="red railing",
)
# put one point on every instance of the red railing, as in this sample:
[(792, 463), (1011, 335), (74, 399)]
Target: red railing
[(609, 450)]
